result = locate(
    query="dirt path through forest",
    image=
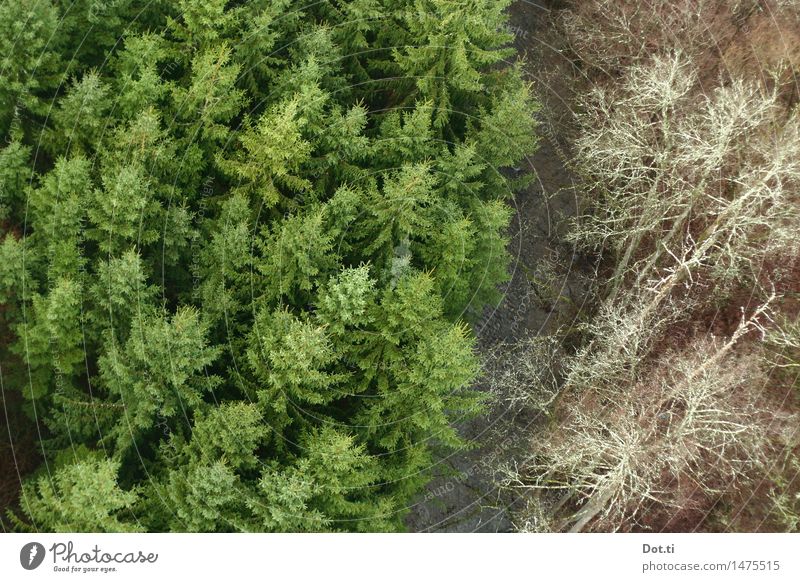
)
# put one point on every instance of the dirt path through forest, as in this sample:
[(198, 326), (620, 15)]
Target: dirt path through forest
[(463, 498)]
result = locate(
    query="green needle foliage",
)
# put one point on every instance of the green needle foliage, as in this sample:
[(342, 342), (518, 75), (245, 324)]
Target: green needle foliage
[(240, 246)]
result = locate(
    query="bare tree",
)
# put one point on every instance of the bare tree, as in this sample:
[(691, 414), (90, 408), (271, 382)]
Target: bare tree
[(692, 195)]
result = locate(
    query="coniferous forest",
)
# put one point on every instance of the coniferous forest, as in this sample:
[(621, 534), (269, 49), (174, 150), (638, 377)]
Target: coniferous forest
[(242, 243), (391, 265)]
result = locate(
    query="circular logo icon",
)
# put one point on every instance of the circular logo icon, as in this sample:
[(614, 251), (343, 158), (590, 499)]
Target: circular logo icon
[(31, 555)]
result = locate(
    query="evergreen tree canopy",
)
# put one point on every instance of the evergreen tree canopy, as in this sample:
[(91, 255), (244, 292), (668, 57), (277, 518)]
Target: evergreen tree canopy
[(241, 243)]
